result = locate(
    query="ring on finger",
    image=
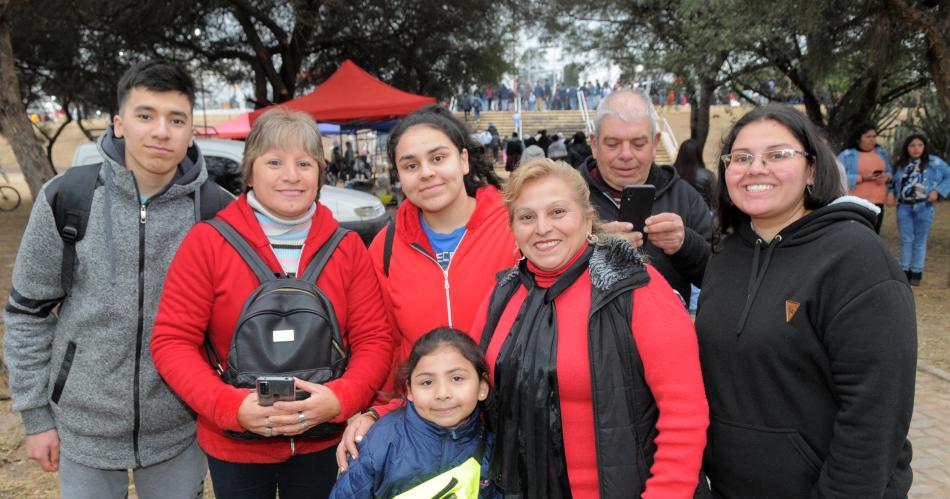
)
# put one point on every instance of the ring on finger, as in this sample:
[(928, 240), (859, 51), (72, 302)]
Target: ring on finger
[(300, 418), (303, 425), (267, 422), (270, 431)]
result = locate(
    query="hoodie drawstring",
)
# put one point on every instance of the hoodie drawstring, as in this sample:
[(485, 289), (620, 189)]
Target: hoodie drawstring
[(756, 277)]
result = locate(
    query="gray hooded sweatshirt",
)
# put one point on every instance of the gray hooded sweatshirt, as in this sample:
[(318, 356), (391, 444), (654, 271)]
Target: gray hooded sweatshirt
[(85, 369)]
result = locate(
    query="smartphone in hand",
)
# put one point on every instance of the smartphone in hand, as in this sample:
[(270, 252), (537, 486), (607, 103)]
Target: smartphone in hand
[(270, 389), (636, 204)]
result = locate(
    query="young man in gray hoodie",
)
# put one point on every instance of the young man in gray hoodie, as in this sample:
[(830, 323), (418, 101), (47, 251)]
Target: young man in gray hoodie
[(81, 376)]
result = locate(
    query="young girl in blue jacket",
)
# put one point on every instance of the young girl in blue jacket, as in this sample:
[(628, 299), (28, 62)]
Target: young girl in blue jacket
[(437, 446)]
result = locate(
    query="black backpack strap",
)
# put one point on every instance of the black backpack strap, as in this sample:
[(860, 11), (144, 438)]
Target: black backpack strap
[(253, 260), (388, 245), (210, 198), (315, 267), (71, 204)]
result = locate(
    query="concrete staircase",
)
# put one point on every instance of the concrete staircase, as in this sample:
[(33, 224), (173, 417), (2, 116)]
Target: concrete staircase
[(564, 122)]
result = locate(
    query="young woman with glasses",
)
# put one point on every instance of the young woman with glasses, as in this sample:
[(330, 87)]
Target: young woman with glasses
[(806, 327)]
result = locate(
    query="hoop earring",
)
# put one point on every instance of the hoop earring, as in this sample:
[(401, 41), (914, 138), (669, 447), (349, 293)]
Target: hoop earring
[(809, 188)]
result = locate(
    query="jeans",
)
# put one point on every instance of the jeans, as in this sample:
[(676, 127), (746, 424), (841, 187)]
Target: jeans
[(913, 223)]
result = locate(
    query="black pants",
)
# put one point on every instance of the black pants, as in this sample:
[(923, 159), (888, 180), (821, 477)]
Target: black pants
[(305, 476), (880, 219)]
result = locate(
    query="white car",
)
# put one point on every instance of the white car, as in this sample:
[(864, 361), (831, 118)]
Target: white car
[(355, 210)]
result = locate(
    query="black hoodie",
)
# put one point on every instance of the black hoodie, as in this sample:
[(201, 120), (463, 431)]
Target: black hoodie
[(673, 195), (808, 346)]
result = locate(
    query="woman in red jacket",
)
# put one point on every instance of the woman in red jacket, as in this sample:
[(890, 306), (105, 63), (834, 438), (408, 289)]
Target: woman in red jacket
[(599, 391), (206, 286), (451, 237)]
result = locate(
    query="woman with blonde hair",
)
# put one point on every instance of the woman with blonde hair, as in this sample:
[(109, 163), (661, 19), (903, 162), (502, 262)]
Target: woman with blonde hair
[(594, 359)]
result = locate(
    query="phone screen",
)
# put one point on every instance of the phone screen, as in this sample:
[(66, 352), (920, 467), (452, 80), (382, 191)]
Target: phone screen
[(636, 204)]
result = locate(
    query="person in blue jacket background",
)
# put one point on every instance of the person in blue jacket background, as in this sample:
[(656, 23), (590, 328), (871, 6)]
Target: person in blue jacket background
[(438, 445), (920, 178)]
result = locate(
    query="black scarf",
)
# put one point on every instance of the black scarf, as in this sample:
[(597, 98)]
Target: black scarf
[(528, 458)]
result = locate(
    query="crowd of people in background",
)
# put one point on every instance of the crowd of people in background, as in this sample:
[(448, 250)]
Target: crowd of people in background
[(547, 94), (539, 95)]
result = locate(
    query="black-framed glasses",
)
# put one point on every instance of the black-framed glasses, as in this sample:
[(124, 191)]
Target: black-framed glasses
[(744, 160)]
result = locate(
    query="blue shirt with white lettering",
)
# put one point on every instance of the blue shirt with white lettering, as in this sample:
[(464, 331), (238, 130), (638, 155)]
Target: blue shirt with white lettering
[(444, 245)]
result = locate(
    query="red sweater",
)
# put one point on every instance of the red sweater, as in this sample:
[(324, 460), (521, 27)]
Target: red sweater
[(205, 289), (666, 342), (419, 295)]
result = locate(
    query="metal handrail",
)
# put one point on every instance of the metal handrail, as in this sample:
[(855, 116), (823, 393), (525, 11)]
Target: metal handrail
[(585, 112), (668, 139)]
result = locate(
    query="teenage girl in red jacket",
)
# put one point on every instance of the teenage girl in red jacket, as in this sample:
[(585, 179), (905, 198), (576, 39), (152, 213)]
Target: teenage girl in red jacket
[(450, 240)]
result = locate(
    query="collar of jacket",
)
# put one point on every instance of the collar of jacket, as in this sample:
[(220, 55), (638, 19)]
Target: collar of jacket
[(408, 228), (661, 176), (241, 216)]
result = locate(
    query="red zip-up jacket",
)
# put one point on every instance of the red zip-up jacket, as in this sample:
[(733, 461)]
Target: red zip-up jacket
[(419, 295), (205, 289)]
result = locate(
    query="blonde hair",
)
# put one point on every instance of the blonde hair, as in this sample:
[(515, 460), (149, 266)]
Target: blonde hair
[(542, 168), (283, 128)]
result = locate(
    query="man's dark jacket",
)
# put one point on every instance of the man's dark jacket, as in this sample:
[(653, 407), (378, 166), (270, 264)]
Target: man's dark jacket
[(673, 195)]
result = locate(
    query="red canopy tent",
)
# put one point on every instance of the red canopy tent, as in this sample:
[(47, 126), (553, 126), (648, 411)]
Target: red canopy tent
[(234, 128), (352, 94)]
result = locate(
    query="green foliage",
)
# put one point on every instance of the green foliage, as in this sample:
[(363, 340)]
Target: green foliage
[(927, 119), (572, 74), (846, 61), (77, 49)]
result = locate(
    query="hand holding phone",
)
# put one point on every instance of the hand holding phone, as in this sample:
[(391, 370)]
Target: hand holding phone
[(636, 204)]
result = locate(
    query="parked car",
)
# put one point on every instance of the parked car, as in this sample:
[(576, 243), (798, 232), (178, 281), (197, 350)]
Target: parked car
[(358, 211)]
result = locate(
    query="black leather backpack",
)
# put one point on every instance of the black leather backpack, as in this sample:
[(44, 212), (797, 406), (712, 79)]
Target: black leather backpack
[(287, 327)]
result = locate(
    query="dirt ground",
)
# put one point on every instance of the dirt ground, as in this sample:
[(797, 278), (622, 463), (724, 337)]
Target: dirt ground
[(21, 478)]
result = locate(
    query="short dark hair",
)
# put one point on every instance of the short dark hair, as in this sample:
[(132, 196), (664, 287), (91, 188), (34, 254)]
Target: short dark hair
[(436, 339), (481, 168), (862, 129), (156, 75), (827, 186)]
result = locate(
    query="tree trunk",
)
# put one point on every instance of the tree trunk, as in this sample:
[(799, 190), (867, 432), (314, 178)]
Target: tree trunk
[(939, 59), (59, 131), (701, 131), (80, 116), (14, 123), (938, 48)]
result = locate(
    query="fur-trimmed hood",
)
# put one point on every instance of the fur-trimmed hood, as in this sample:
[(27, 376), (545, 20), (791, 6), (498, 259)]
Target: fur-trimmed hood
[(614, 260)]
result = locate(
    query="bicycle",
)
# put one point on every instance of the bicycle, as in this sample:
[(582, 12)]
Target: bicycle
[(9, 196)]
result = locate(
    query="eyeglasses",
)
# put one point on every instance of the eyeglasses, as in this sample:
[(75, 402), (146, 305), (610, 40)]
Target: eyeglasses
[(744, 160)]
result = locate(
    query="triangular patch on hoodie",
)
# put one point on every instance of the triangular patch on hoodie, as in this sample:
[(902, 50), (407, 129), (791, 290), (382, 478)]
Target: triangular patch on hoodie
[(790, 308)]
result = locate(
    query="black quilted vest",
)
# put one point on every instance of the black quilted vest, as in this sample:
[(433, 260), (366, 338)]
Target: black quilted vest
[(624, 432)]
